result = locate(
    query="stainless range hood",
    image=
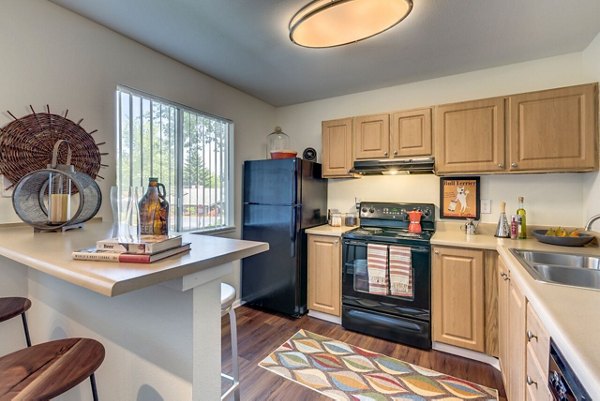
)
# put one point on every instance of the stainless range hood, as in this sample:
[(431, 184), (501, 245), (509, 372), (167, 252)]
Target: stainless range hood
[(423, 165)]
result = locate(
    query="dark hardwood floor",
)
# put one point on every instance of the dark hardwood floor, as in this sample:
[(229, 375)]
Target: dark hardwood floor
[(259, 333)]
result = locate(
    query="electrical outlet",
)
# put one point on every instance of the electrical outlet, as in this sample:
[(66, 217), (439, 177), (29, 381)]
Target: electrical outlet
[(486, 206)]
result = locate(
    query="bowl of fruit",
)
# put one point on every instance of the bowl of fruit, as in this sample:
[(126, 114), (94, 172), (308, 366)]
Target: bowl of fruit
[(562, 236)]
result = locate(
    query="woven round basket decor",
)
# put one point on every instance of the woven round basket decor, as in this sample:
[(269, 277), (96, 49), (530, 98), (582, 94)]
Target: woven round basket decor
[(26, 145)]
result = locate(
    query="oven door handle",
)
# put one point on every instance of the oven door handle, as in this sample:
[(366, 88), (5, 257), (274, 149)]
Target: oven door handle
[(419, 249)]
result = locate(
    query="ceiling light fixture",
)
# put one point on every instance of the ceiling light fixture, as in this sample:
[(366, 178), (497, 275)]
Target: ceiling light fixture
[(330, 23)]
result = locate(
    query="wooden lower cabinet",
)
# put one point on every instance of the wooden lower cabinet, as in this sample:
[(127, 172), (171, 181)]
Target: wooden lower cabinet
[(458, 298), (524, 342), (503, 328), (324, 274), (516, 343)]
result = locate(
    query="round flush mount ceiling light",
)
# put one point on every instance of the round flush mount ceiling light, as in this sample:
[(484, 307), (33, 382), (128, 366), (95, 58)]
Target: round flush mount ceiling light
[(330, 23)]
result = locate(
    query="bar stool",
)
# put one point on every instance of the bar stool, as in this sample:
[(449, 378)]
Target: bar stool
[(227, 298), (15, 306), (47, 370)]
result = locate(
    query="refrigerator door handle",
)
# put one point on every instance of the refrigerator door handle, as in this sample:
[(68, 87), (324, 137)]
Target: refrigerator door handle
[(293, 232)]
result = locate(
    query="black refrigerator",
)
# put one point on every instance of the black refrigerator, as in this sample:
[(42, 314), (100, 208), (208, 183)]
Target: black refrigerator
[(282, 198)]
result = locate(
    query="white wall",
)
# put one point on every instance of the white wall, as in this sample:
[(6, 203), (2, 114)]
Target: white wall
[(53, 56), (591, 182), (552, 199)]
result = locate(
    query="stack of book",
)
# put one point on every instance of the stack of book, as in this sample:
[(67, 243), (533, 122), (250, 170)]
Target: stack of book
[(142, 249)]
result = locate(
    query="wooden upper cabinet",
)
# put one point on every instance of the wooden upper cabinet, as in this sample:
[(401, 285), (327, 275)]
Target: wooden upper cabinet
[(410, 133), (554, 130), (458, 297), (337, 147), (372, 137), (469, 136)]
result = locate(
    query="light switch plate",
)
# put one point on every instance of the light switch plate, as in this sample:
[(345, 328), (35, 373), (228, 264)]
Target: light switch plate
[(486, 206)]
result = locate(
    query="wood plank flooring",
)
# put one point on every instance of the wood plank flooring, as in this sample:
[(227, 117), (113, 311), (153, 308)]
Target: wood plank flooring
[(260, 333)]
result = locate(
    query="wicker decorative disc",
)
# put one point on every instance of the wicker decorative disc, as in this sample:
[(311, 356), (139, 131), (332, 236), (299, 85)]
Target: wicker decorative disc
[(26, 145)]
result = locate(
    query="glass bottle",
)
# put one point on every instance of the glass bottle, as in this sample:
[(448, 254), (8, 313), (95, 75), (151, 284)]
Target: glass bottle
[(154, 210), (522, 219)]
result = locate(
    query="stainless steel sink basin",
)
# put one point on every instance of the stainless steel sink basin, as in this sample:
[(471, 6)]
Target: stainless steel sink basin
[(561, 268)]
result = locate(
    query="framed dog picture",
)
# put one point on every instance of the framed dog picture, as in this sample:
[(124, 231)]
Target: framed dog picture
[(459, 198)]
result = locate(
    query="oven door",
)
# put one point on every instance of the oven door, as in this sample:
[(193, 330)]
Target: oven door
[(355, 281)]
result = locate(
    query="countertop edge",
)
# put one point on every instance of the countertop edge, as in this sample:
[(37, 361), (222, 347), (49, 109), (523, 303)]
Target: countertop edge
[(586, 373)]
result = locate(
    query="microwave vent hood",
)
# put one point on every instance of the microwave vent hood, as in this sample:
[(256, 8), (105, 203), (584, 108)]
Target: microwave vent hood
[(421, 165)]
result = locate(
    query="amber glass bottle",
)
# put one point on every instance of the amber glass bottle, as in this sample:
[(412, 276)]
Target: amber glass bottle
[(154, 210)]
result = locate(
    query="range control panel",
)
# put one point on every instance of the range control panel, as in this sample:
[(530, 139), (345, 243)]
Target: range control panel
[(396, 211)]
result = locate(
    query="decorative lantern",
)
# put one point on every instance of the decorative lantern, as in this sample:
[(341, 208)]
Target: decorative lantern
[(44, 198)]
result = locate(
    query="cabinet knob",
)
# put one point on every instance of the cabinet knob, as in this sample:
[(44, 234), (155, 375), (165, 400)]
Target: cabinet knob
[(436, 252), (504, 276), (513, 164), (395, 153), (385, 153), (531, 336), (336, 242), (500, 165), (531, 382)]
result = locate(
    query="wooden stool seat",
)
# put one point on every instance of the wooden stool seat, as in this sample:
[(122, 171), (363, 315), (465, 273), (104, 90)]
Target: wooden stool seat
[(47, 370), (13, 306)]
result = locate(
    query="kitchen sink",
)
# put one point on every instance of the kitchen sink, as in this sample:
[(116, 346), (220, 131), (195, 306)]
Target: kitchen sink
[(561, 268)]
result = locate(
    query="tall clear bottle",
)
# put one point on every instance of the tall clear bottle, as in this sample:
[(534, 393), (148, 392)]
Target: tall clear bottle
[(154, 210), (522, 216)]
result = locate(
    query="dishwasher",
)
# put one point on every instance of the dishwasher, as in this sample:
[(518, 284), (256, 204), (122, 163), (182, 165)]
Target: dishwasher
[(562, 381)]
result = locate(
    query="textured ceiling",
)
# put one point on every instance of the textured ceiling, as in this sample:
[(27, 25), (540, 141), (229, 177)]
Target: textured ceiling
[(245, 42)]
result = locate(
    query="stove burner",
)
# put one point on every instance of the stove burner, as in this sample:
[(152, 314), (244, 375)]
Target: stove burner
[(368, 230)]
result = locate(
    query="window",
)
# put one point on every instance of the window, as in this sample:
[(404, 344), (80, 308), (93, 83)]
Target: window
[(190, 152)]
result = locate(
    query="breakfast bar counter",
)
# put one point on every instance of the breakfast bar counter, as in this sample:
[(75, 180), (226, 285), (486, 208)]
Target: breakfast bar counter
[(157, 320)]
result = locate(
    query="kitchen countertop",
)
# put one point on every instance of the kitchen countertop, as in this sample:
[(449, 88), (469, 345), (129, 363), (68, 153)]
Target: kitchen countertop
[(50, 252), (328, 230), (571, 315)]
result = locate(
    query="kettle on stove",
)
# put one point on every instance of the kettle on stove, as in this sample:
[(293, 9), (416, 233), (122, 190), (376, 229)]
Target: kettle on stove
[(415, 221)]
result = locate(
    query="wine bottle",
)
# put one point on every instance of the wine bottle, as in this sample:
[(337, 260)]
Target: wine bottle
[(522, 219), (154, 210)]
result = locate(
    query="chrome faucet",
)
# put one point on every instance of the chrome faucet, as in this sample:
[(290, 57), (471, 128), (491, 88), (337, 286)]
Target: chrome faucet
[(591, 221)]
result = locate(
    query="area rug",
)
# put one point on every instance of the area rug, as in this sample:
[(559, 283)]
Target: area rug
[(348, 373)]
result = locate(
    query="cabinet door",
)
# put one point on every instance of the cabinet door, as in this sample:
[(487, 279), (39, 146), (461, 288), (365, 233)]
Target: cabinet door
[(503, 328), (516, 343), (410, 133), (554, 129), (324, 274), (337, 147), (469, 136), (458, 298), (371, 137)]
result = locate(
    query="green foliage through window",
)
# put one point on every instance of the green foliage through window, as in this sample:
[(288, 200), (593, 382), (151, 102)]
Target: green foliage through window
[(189, 152)]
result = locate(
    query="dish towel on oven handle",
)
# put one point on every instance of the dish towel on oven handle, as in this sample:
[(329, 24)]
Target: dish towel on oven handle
[(377, 268), (401, 271)]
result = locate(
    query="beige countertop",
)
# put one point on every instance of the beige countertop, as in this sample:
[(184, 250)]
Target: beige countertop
[(50, 252), (571, 315), (328, 230)]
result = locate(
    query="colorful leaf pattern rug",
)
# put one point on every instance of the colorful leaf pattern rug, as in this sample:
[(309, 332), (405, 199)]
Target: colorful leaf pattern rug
[(348, 373)]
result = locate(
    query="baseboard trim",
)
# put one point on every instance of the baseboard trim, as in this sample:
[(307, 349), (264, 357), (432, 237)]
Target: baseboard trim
[(467, 353), (325, 316)]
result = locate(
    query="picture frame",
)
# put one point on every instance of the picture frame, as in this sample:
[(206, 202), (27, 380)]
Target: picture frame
[(460, 198)]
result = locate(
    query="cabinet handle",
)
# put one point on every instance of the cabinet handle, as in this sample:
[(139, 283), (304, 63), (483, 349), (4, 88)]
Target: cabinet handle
[(504, 276), (531, 382), (513, 164), (531, 336), (501, 165)]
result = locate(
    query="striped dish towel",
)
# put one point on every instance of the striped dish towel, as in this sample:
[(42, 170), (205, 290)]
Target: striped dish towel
[(377, 256), (401, 271)]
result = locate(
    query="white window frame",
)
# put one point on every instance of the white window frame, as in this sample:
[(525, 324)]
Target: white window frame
[(178, 172)]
